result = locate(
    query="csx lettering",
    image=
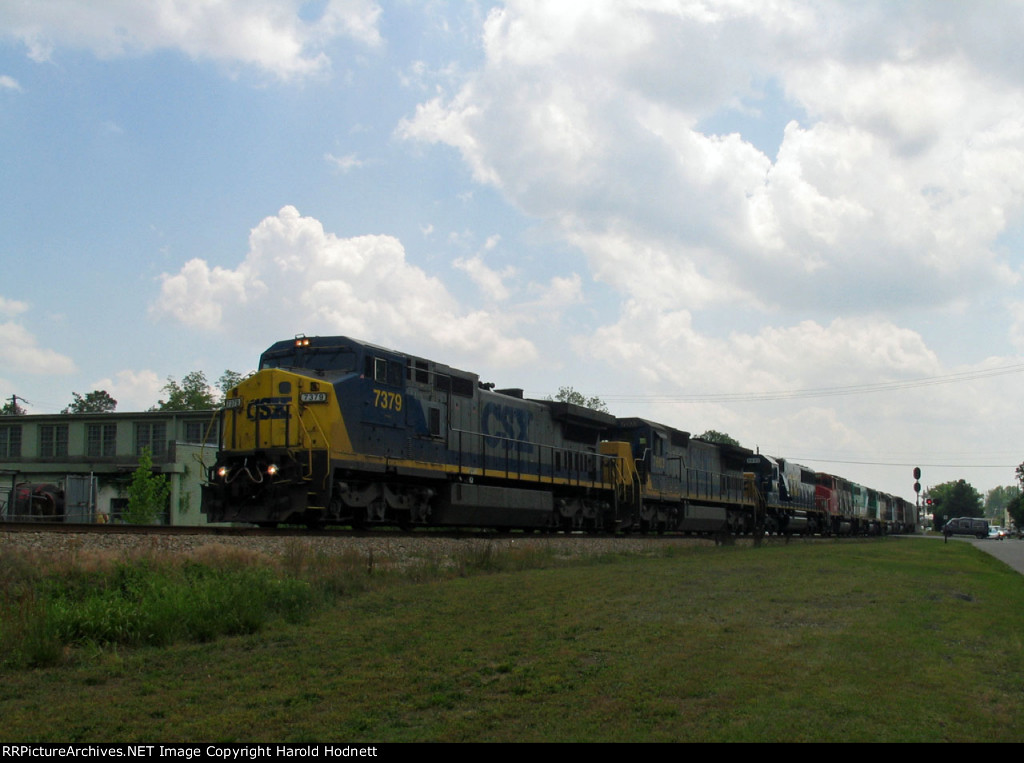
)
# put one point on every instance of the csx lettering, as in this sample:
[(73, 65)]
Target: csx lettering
[(268, 408), (509, 423), (389, 401)]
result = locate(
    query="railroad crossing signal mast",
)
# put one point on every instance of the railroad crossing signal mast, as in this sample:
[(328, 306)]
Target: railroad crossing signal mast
[(917, 493)]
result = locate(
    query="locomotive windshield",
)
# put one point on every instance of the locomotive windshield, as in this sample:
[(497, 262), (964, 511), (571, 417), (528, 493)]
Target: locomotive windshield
[(315, 358)]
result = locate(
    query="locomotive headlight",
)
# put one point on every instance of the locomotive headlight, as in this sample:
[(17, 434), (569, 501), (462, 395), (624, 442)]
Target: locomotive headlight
[(272, 470), (222, 472)]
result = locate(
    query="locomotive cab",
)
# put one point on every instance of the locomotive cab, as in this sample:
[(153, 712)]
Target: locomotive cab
[(272, 466)]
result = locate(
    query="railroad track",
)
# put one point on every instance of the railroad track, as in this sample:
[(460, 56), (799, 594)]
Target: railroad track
[(114, 529), (108, 529), (385, 544), (222, 531)]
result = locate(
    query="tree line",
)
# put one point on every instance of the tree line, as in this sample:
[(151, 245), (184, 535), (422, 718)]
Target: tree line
[(192, 393), (959, 498)]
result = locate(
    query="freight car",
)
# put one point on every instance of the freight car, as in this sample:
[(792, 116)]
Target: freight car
[(331, 430)]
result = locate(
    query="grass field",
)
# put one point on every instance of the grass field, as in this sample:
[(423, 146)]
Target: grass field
[(883, 640)]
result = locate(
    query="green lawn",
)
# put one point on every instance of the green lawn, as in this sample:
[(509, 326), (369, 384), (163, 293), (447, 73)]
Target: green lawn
[(883, 640)]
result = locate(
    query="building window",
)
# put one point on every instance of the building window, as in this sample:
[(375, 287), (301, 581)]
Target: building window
[(101, 440), (152, 436), (201, 432), (10, 441), (53, 440)]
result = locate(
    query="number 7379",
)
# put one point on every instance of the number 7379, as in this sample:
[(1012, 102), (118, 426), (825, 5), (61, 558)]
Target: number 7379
[(389, 401)]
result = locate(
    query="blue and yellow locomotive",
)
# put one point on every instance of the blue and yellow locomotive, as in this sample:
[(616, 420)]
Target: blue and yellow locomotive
[(331, 430)]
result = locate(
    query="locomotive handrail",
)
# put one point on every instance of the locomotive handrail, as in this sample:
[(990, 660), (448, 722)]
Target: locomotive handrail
[(218, 416), (574, 475), (309, 437)]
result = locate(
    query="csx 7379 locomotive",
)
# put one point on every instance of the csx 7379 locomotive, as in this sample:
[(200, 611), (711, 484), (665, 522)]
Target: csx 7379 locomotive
[(331, 430)]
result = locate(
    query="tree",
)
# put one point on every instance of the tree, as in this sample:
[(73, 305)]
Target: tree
[(570, 395), (97, 401), (227, 380), (1015, 508), (954, 499), (998, 498), (193, 394), (147, 492), (719, 437)]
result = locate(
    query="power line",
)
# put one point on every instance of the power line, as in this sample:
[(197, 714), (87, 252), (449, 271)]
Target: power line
[(901, 464), (855, 389)]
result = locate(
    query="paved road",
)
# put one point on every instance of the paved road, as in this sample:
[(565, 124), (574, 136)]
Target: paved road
[(1007, 550)]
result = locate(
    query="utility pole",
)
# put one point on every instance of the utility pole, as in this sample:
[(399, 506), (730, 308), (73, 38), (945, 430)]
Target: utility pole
[(13, 410)]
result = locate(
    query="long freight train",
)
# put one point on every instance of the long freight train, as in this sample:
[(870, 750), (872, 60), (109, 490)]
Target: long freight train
[(331, 430)]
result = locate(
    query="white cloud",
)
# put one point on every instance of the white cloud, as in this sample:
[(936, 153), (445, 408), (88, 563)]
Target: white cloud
[(12, 307), (271, 35), (298, 277), (19, 352), (560, 293), (673, 354), (588, 116), (1016, 330), (195, 295), (345, 163), (133, 390), (490, 282), (9, 83)]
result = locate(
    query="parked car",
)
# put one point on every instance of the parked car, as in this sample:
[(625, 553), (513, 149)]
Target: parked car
[(966, 526), (996, 532)]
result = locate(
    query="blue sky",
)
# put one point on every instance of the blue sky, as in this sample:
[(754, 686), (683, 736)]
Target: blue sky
[(699, 211)]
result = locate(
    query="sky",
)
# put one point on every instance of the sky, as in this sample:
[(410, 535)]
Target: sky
[(799, 223)]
